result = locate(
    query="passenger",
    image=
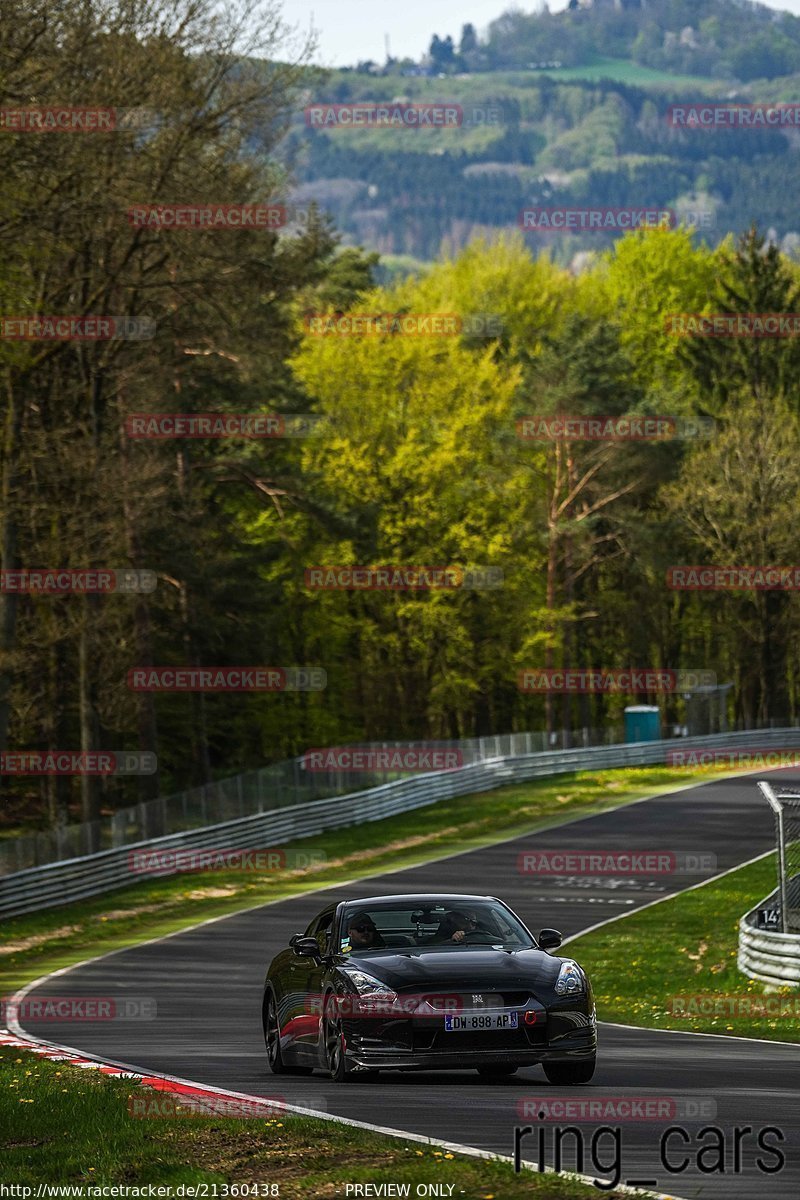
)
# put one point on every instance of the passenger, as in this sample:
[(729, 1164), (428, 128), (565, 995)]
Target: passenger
[(362, 934), (454, 926)]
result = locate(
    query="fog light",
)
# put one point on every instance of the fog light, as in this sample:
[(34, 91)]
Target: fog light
[(531, 1017)]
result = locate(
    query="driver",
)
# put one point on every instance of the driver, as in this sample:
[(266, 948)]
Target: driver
[(455, 925), (362, 934)]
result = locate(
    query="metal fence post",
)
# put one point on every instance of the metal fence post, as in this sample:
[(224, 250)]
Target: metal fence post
[(769, 794), (782, 870)]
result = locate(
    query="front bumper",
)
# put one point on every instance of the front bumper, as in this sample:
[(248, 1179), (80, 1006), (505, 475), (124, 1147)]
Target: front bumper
[(422, 1044), (360, 1061)]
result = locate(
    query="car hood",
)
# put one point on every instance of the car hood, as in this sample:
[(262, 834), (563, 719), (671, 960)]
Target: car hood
[(460, 968)]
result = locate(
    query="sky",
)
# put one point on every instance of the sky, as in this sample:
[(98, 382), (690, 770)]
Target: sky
[(354, 30)]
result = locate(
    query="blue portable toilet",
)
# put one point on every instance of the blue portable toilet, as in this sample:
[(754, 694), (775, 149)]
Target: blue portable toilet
[(642, 723)]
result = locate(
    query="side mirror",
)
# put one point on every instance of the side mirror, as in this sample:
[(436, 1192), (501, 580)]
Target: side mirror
[(549, 939), (306, 947)]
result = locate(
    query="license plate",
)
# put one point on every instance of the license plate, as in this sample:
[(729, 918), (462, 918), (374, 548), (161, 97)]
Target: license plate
[(480, 1021)]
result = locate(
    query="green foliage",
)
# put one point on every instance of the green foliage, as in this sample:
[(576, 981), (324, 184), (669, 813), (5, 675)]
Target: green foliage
[(416, 459), (757, 280), (642, 281)]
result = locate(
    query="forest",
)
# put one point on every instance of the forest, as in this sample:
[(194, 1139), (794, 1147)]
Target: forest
[(396, 447)]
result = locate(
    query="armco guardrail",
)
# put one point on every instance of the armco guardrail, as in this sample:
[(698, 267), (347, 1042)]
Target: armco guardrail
[(74, 879), (769, 938), (244, 795), (767, 954)]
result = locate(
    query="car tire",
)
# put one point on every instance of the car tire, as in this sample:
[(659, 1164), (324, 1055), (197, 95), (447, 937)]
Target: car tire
[(569, 1073), (499, 1072), (272, 1040), (333, 1042)]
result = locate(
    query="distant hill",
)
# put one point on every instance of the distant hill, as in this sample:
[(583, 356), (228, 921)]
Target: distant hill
[(593, 131), (723, 39)]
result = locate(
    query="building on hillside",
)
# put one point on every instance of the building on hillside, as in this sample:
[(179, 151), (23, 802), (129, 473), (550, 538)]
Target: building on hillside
[(617, 4)]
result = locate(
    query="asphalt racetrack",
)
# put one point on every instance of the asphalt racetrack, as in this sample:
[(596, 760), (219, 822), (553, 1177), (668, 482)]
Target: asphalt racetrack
[(207, 984)]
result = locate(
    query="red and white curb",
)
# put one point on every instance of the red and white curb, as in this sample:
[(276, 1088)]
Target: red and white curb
[(198, 1099)]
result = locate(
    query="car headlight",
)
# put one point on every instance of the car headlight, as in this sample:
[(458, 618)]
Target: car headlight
[(370, 990), (571, 979)]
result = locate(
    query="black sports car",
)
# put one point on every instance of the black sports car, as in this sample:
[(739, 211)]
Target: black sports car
[(427, 982)]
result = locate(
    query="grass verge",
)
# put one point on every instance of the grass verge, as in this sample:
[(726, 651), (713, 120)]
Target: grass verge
[(38, 943), (64, 1125), (647, 967)]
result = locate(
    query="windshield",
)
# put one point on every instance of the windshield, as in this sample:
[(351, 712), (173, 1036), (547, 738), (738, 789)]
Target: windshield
[(444, 925)]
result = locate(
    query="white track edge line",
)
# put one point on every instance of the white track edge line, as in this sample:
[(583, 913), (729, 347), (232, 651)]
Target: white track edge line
[(670, 896)]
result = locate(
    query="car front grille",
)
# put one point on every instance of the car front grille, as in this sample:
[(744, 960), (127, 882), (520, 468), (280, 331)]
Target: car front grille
[(481, 1039), (458, 1001)]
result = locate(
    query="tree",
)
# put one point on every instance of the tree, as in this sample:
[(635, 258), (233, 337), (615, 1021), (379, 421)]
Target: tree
[(469, 39), (587, 486), (755, 279), (74, 493), (442, 53), (737, 498), (412, 446), (642, 281), (763, 57)]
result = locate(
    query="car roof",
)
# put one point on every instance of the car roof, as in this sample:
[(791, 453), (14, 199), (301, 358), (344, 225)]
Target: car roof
[(414, 898)]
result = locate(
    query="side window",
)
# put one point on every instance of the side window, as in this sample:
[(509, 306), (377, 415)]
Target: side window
[(323, 929), (320, 928)]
